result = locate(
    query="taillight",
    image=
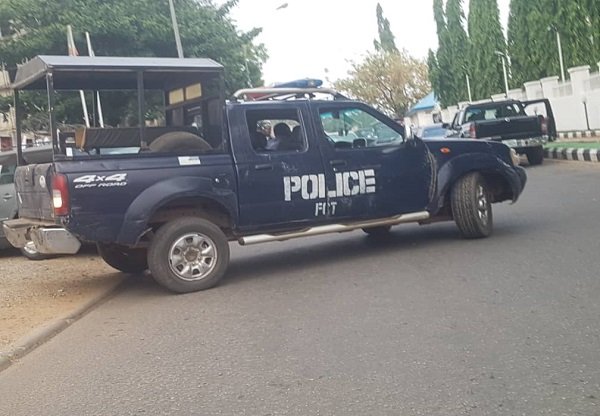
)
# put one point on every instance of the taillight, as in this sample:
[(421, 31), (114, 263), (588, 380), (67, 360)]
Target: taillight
[(472, 131), (544, 124), (60, 194)]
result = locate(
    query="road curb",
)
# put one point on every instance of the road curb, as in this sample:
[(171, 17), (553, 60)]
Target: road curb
[(578, 134), (572, 153), (45, 332)]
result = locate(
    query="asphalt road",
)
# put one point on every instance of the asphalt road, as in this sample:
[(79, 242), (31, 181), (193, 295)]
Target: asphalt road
[(422, 324)]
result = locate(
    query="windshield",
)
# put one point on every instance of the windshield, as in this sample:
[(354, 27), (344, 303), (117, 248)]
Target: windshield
[(493, 113)]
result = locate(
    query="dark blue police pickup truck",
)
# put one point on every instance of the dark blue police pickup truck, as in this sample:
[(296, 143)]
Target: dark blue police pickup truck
[(267, 165)]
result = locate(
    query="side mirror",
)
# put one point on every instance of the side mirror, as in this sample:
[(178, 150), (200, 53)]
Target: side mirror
[(359, 143), (445, 126)]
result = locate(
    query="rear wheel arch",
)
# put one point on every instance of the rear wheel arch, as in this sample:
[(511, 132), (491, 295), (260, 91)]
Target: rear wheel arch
[(201, 207)]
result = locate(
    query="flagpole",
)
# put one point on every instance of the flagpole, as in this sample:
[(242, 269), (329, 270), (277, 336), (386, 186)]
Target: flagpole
[(73, 52), (91, 53)]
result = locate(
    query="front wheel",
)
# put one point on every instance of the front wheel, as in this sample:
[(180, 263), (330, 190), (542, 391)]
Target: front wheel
[(472, 206), (125, 259), (188, 254)]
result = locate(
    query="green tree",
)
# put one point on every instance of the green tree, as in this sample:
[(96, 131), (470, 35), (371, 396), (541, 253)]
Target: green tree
[(487, 38), (448, 69), (434, 71), (130, 28), (573, 21), (455, 52), (538, 57), (392, 82), (518, 40), (593, 7), (532, 39), (386, 40), (440, 61)]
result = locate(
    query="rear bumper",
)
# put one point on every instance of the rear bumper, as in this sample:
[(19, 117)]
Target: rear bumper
[(520, 145), (47, 237)]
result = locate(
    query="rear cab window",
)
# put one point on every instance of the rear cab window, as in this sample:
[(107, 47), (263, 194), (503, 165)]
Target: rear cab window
[(276, 130)]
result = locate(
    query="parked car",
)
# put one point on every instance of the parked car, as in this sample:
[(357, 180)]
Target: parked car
[(433, 132), (8, 197), (522, 125), (203, 180)]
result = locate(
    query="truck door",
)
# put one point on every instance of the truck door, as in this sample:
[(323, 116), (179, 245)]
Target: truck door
[(542, 108), (371, 171), (8, 202), (280, 171)]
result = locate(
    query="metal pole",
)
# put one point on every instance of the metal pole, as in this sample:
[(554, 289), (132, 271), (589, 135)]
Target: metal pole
[(176, 29), (50, 90), (469, 88), (18, 119), (587, 117), (141, 109), (560, 56), (505, 74), (96, 93)]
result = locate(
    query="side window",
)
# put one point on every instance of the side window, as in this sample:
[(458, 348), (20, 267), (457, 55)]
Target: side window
[(278, 130), (355, 128), (7, 174)]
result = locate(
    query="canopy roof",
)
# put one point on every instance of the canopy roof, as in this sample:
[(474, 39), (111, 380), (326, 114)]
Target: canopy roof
[(104, 72)]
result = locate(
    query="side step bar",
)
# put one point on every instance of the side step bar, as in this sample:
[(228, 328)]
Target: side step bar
[(334, 228)]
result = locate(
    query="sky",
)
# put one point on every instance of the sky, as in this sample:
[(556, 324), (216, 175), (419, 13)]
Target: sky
[(319, 38)]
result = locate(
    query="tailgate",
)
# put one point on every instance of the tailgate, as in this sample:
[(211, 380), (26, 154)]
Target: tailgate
[(510, 128), (33, 183)]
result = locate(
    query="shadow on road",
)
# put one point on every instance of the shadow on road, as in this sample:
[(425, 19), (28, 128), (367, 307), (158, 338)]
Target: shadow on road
[(337, 252), (275, 260)]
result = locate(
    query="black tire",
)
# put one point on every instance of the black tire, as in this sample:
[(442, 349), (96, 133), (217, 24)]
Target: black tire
[(472, 206), (30, 251), (125, 259), (380, 231), (535, 155), (173, 242), (178, 141)]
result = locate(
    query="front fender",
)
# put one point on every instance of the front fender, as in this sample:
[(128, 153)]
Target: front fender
[(485, 163), (150, 200)]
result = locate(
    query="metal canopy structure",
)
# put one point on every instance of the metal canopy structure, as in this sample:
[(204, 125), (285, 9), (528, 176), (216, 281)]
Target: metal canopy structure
[(97, 73), (100, 72)]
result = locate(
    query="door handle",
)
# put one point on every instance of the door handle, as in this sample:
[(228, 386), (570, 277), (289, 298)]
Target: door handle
[(6, 197), (377, 166), (338, 163), (265, 166)]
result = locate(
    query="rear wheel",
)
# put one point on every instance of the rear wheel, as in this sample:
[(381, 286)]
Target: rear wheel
[(125, 259), (188, 254), (535, 155), (472, 206)]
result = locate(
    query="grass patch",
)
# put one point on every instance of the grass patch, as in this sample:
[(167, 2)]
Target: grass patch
[(574, 145)]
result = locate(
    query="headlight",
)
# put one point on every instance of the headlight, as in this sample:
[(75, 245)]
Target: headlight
[(515, 157)]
